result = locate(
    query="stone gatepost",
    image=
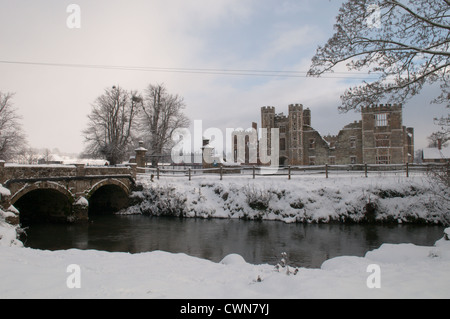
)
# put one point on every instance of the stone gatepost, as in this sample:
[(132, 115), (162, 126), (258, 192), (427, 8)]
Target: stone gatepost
[(207, 154), (2, 171), (140, 155)]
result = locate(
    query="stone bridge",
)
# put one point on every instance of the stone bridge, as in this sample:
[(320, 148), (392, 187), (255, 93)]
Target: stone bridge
[(63, 192)]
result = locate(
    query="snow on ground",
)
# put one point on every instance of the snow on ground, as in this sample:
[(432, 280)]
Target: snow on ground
[(400, 271), (301, 199), (405, 271)]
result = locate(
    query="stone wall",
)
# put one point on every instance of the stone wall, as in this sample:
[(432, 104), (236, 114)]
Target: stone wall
[(61, 191), (378, 138), (13, 171)]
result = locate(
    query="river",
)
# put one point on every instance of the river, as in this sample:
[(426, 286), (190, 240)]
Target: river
[(307, 245)]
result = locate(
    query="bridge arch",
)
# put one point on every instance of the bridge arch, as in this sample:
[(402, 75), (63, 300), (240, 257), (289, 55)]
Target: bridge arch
[(43, 201), (42, 185), (107, 196)]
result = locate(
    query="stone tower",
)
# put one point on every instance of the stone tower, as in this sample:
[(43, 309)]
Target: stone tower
[(268, 117), (307, 117), (383, 133), (295, 137), (268, 122)]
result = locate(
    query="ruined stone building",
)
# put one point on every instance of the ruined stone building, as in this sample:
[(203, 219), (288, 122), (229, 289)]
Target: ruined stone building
[(378, 138)]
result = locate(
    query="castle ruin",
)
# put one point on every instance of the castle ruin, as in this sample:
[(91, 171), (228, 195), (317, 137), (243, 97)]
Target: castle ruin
[(378, 138)]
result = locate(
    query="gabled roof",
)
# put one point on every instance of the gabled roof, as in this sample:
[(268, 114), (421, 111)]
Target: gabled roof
[(434, 153)]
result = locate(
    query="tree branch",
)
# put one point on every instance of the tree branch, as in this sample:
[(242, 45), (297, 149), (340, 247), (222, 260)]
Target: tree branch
[(416, 15)]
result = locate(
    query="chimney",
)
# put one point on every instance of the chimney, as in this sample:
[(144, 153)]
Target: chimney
[(439, 142)]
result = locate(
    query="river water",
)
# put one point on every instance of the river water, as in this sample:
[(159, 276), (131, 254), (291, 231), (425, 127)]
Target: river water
[(307, 245)]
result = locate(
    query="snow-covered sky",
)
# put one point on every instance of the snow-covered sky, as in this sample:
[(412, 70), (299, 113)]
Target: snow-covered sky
[(260, 35)]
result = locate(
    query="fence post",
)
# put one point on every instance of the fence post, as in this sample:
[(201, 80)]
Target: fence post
[(253, 171), (157, 172), (407, 169), (326, 170), (365, 169), (220, 172), (289, 172), (189, 173)]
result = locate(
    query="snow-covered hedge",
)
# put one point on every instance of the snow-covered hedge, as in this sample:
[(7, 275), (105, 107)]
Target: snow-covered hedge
[(8, 232), (344, 199)]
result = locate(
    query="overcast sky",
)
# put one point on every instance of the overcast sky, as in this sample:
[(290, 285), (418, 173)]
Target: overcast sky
[(260, 35)]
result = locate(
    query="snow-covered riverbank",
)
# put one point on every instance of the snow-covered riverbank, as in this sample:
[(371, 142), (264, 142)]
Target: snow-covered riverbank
[(405, 271), (303, 199), (400, 271)]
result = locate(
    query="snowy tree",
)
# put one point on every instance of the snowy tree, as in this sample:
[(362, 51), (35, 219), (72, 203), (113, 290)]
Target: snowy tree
[(27, 155), (111, 124), (12, 137), (438, 139), (406, 43), (162, 113)]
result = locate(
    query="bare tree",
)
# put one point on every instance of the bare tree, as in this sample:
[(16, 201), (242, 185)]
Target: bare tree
[(111, 124), (438, 139), (12, 138), (46, 156), (405, 43), (27, 155), (161, 115), (442, 136)]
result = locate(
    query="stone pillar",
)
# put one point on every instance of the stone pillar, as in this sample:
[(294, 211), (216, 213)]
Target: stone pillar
[(133, 168), (80, 210), (140, 155), (2, 171), (207, 154)]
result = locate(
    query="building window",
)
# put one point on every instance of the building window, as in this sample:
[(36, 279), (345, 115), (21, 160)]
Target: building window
[(312, 143), (352, 141), (282, 144), (282, 129), (332, 160), (312, 160), (382, 140), (294, 142), (352, 159), (383, 159), (381, 119)]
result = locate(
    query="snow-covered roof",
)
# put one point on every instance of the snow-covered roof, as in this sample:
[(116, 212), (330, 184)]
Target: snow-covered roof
[(434, 153)]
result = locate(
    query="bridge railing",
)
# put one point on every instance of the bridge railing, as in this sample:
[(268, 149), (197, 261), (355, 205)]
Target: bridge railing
[(362, 170), (16, 171)]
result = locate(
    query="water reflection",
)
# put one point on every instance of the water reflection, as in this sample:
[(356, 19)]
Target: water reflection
[(308, 245)]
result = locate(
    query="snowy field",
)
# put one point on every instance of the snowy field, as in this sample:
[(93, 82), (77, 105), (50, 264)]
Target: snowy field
[(391, 271)]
